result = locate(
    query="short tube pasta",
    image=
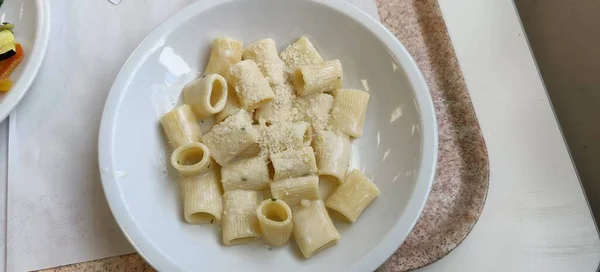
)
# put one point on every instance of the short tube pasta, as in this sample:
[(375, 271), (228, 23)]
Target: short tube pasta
[(232, 105), (202, 202), (247, 174), (253, 150), (264, 53), (349, 111), (283, 136), (181, 127), (294, 163), (315, 109), (229, 138), (332, 152), (240, 224), (318, 78), (301, 52), (225, 53), (191, 159), (313, 228), (206, 95), (275, 219), (251, 87), (352, 196), (292, 191), (280, 108)]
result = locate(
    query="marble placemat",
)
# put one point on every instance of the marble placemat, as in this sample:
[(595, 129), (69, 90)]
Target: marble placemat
[(462, 177)]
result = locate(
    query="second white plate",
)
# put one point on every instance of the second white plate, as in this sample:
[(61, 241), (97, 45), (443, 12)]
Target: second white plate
[(32, 25)]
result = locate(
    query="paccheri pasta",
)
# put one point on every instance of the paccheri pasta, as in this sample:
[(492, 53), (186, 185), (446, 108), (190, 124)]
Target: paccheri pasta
[(283, 123)]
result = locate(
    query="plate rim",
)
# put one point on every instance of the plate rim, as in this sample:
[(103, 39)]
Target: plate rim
[(38, 53), (385, 247)]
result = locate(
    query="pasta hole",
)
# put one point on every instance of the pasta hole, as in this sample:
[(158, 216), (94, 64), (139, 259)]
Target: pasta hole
[(261, 104), (191, 156), (327, 185), (298, 79), (275, 212), (216, 93), (200, 218), (241, 240), (328, 244), (338, 216)]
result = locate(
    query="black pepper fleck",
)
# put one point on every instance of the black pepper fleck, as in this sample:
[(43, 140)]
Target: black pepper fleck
[(244, 179), (273, 199), (212, 220)]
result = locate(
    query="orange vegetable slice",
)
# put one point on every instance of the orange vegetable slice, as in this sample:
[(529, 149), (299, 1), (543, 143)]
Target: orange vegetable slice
[(8, 65)]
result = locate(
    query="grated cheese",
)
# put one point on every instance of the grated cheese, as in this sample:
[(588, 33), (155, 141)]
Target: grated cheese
[(301, 52), (314, 109)]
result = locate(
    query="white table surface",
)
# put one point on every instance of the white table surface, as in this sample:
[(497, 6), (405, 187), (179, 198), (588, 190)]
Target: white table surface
[(536, 217)]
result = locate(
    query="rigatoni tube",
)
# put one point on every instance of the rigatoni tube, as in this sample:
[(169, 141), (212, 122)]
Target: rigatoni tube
[(280, 108), (240, 224), (313, 229), (251, 87), (264, 53), (191, 159), (352, 196), (301, 52), (275, 219), (206, 95), (318, 78), (253, 150), (202, 202), (292, 191), (315, 109), (229, 138), (225, 53), (283, 136), (293, 163), (332, 151), (349, 111), (181, 127), (246, 174)]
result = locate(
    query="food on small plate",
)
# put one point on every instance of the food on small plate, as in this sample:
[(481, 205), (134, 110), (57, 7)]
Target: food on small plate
[(11, 54)]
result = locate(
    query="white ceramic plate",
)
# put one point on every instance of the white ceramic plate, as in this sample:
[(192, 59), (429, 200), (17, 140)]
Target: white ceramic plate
[(398, 148), (32, 24)]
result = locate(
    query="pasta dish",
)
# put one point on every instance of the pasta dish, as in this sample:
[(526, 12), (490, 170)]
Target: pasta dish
[(283, 124)]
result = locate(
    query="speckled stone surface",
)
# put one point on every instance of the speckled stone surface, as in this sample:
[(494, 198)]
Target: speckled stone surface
[(461, 184), (462, 177)]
